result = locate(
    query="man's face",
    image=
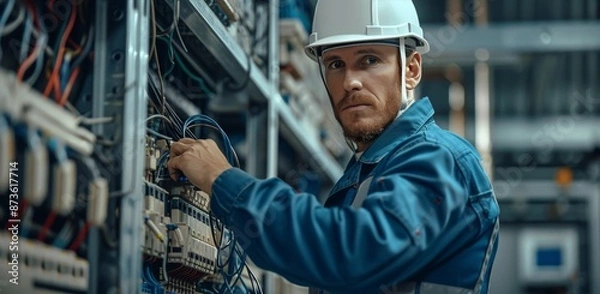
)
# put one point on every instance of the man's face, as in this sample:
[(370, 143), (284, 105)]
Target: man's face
[(364, 84)]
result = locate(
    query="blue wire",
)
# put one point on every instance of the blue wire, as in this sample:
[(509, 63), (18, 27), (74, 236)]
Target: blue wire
[(26, 38), (60, 151), (5, 16), (39, 61), (61, 242), (146, 275), (61, 33), (161, 162), (32, 138), (199, 118), (236, 258), (64, 72), (150, 276), (3, 123)]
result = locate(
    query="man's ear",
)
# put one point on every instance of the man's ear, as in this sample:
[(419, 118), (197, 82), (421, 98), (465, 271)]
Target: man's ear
[(413, 70)]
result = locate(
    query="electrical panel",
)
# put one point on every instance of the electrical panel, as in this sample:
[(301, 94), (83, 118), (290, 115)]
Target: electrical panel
[(54, 193), (93, 95)]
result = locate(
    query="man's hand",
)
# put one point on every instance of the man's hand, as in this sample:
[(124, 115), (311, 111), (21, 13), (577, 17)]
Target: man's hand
[(201, 161)]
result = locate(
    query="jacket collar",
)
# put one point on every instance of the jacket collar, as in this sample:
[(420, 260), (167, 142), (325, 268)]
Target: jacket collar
[(406, 125)]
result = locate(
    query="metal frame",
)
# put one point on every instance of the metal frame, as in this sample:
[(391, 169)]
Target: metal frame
[(273, 118), (134, 127), (544, 133), (258, 123), (202, 22), (269, 282), (451, 41), (545, 190), (205, 25), (120, 71)]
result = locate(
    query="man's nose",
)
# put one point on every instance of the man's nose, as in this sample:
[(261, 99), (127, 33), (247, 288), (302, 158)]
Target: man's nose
[(352, 81)]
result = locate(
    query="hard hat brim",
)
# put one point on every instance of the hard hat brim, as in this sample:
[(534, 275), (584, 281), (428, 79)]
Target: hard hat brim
[(312, 50)]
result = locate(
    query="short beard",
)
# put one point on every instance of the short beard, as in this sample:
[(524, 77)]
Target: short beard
[(368, 136)]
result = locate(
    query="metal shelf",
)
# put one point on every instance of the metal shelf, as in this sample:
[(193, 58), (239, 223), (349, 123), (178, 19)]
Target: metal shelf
[(293, 133), (205, 25), (209, 30)]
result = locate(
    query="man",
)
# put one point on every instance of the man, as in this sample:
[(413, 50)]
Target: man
[(414, 211)]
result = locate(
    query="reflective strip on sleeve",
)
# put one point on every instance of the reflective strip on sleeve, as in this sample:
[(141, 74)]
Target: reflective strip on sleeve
[(424, 288), (362, 193), (488, 255)]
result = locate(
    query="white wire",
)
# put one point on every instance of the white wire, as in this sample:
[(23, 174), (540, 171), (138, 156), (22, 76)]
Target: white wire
[(27, 31), (4, 18), (157, 134), (11, 27), (41, 43), (164, 262), (155, 116), (94, 120)]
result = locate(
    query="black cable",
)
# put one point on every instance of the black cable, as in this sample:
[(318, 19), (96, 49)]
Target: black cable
[(169, 112)]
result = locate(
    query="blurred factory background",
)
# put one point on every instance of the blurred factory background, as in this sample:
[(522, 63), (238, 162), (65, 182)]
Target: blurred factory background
[(519, 79)]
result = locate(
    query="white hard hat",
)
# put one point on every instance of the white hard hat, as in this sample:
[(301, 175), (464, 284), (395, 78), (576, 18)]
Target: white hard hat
[(338, 22)]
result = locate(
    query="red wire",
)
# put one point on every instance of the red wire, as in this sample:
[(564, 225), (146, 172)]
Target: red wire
[(36, 51), (80, 237), (47, 224), (54, 81), (27, 63)]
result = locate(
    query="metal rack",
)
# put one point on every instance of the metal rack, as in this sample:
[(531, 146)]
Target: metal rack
[(120, 71), (209, 30), (121, 67)]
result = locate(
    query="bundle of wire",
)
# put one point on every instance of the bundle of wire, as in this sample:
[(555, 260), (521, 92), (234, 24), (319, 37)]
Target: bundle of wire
[(161, 105), (204, 120), (231, 258), (231, 262), (150, 283), (64, 57)]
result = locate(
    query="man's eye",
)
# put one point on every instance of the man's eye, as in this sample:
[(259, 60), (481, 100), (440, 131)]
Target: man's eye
[(336, 64), (370, 61)]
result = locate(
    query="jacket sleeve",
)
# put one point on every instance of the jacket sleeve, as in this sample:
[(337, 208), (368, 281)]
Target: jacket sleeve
[(412, 213)]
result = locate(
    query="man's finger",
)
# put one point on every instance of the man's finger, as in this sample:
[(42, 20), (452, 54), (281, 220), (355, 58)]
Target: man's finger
[(173, 167), (178, 148), (187, 141)]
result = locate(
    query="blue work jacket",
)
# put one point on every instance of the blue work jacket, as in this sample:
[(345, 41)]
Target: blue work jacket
[(428, 223)]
